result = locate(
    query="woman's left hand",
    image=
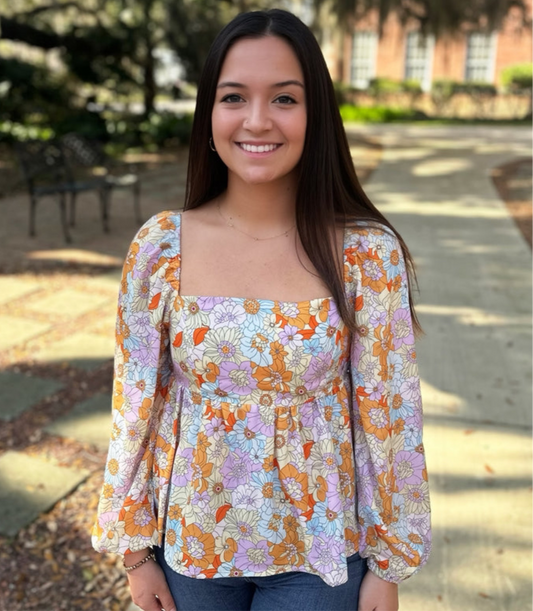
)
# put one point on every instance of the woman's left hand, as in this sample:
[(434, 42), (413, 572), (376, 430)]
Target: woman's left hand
[(376, 594)]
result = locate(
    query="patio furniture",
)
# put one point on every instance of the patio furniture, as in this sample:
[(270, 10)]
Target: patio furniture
[(82, 153), (47, 173)]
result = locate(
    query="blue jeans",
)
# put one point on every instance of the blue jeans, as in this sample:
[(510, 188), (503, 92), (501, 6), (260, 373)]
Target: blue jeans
[(291, 591)]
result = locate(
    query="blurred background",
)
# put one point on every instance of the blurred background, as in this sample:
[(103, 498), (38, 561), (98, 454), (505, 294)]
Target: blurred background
[(96, 106)]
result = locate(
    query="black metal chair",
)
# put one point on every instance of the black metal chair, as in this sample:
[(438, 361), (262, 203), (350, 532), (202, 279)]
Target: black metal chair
[(47, 173), (85, 154)]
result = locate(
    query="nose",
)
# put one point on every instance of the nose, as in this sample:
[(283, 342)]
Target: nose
[(258, 118)]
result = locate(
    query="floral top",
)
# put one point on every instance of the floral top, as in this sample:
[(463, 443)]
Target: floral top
[(257, 435)]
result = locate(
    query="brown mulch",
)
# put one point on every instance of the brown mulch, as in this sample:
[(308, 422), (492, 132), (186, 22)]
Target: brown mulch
[(513, 182)]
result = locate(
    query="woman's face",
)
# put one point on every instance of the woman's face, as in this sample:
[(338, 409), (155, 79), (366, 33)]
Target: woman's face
[(259, 116)]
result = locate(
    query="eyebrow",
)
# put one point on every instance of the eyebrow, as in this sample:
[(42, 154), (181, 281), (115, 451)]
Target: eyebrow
[(241, 86)]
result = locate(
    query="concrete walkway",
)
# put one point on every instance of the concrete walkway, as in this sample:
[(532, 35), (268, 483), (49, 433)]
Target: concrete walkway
[(474, 272)]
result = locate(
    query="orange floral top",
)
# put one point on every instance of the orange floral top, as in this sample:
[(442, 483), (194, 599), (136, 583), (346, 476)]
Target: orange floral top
[(252, 437)]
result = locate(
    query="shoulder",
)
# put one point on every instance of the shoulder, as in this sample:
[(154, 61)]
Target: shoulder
[(156, 243), (374, 238), (373, 256)]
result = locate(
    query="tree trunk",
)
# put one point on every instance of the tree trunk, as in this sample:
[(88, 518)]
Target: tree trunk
[(149, 87)]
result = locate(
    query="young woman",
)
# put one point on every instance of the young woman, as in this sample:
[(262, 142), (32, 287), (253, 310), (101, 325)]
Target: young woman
[(266, 448)]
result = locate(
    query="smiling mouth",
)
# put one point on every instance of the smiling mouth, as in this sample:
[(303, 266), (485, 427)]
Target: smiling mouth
[(262, 148)]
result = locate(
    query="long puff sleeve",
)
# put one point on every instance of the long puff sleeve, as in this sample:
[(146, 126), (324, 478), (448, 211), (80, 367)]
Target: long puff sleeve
[(391, 477), (143, 435)]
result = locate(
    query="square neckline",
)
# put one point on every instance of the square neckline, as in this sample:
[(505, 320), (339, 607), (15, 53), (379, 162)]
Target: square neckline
[(242, 299)]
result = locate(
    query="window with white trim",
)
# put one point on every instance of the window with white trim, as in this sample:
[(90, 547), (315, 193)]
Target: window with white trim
[(364, 49), (419, 58), (480, 52)]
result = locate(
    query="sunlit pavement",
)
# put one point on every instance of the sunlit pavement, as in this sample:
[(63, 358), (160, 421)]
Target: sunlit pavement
[(474, 271)]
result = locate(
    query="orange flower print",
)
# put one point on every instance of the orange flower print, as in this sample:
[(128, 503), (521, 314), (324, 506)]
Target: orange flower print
[(375, 418), (384, 343), (289, 551), (294, 314), (198, 546), (291, 524), (277, 351), (170, 536), (139, 520), (294, 485), (229, 548), (372, 272), (273, 377), (131, 260), (318, 488), (174, 512)]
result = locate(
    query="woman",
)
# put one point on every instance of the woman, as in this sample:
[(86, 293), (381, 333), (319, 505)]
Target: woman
[(266, 441)]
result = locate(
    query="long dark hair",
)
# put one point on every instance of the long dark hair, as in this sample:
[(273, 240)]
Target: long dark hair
[(328, 191)]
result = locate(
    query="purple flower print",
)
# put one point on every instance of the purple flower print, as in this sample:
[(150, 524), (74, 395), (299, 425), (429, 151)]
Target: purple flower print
[(237, 468), (290, 336), (374, 389), (410, 389), (323, 553), (236, 378), (334, 317), (262, 420), (208, 303), (182, 470), (378, 317), (253, 557), (408, 467), (310, 412), (401, 328), (228, 314), (193, 571), (372, 269), (140, 324), (145, 257), (317, 370), (215, 429)]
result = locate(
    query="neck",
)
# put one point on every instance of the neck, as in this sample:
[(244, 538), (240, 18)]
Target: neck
[(267, 207)]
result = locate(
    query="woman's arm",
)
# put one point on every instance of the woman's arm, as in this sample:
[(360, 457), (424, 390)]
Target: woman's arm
[(391, 475), (126, 517)]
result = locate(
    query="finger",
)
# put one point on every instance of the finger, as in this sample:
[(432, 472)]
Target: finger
[(148, 604), (166, 600)]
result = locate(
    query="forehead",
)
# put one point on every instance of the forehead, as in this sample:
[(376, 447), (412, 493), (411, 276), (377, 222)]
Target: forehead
[(266, 58)]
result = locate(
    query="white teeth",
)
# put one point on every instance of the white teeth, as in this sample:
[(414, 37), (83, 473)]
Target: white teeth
[(258, 149)]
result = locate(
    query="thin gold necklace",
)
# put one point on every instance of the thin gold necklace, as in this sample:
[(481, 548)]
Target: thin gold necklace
[(231, 224)]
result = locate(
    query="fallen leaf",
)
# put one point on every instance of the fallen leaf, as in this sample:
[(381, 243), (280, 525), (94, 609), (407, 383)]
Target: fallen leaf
[(489, 469), (469, 431), (483, 595)]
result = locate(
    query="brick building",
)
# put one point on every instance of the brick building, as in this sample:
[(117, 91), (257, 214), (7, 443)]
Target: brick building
[(403, 53)]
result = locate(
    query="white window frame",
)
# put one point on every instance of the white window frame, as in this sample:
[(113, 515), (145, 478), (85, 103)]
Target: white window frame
[(367, 63), (426, 62), (472, 63)]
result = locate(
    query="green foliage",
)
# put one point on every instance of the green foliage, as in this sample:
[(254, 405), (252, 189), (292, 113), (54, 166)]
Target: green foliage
[(383, 86), (166, 127), (411, 86), (476, 89), (344, 93), (374, 114), (15, 132), (518, 77)]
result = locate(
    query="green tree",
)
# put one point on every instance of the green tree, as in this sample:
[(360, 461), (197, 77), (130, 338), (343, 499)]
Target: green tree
[(437, 17)]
